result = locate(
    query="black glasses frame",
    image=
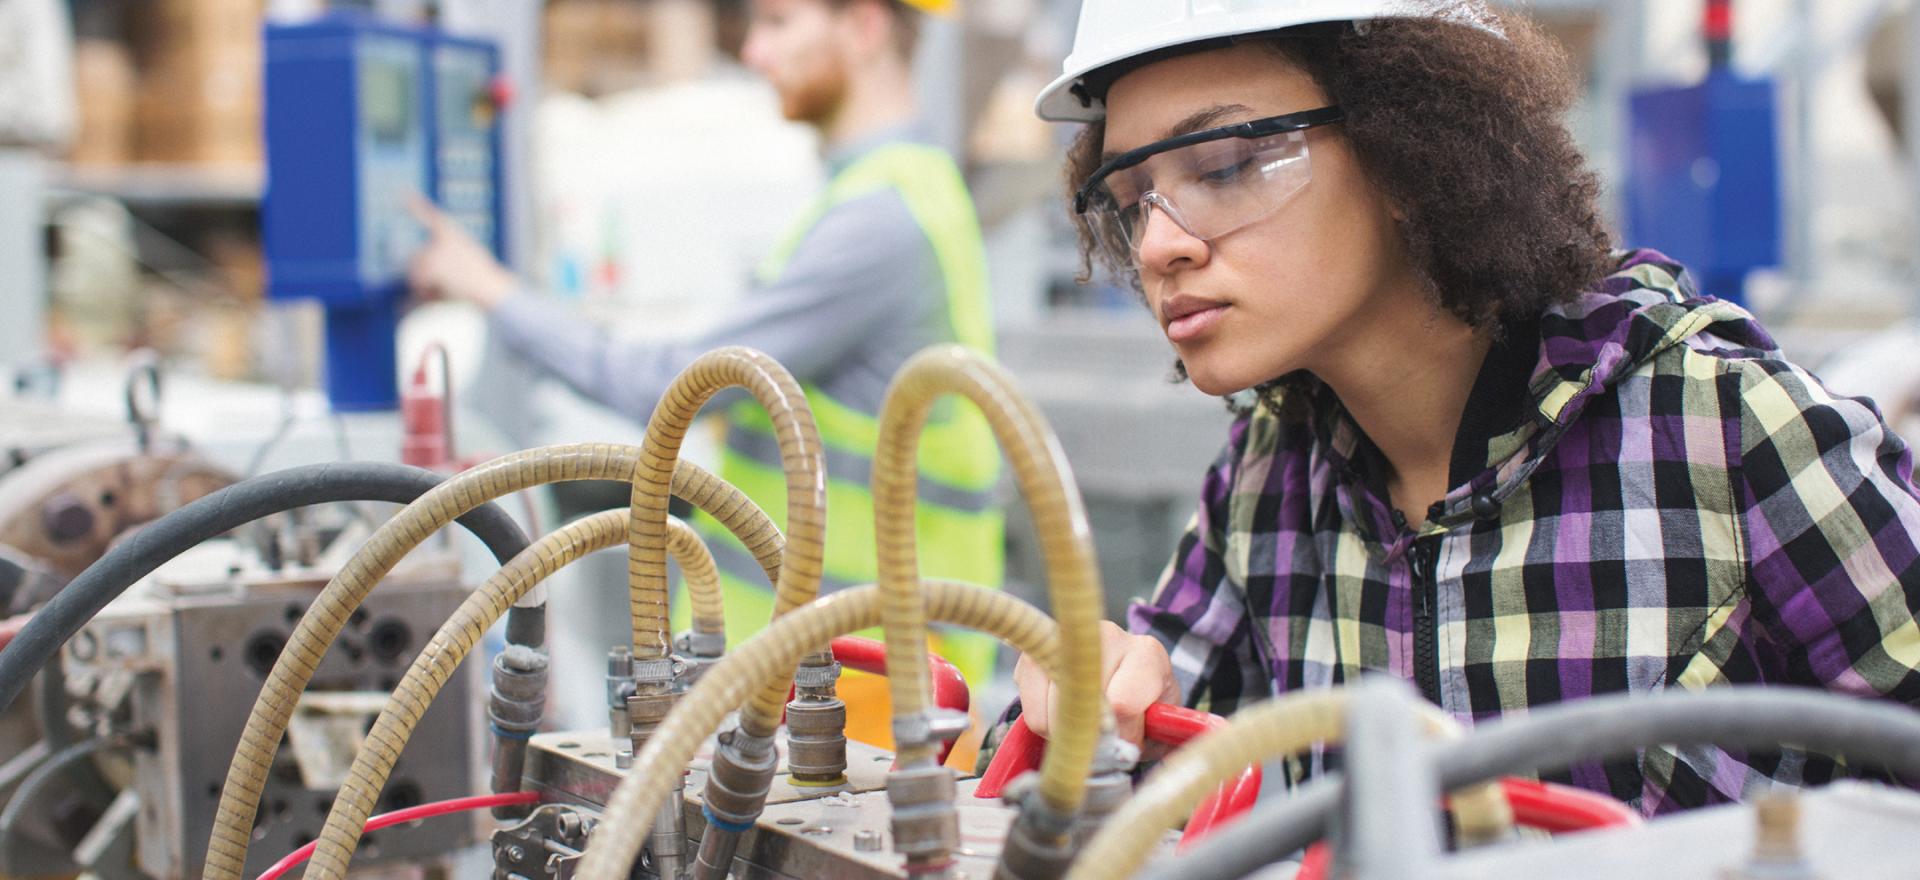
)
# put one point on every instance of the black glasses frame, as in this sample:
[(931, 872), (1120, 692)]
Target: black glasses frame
[(1257, 128)]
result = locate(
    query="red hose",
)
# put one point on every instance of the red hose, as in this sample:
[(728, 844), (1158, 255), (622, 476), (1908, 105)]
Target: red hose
[(11, 627), (1560, 808), (410, 814), (1543, 805)]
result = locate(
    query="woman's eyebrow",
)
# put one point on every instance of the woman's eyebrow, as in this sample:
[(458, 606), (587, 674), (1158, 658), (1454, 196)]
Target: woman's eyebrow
[(1203, 119)]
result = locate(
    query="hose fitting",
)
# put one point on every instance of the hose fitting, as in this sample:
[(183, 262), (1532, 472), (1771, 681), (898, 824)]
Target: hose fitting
[(668, 841), (1107, 789), (926, 826), (817, 726), (700, 651), (654, 696), (514, 708), (1039, 845), (737, 785), (619, 688)]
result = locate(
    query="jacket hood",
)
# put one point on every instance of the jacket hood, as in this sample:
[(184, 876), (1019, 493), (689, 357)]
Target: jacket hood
[(1591, 343), (1645, 307)]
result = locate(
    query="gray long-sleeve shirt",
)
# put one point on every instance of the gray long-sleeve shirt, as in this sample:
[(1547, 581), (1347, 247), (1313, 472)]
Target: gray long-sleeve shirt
[(861, 293)]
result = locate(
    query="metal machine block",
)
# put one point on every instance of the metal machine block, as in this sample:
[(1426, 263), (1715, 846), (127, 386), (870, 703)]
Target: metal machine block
[(196, 650), (803, 833)]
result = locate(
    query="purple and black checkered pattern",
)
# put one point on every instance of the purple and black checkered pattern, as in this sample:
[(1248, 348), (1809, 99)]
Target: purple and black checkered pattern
[(1675, 505)]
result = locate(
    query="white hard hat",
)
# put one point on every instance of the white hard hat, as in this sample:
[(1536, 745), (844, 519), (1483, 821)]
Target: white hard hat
[(1112, 31)]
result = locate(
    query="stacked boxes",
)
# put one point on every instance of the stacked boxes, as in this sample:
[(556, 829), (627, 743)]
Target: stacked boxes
[(199, 95)]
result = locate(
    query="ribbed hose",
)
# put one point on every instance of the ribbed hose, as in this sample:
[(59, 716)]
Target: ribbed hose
[(702, 575), (805, 465), (253, 758), (1255, 734), (1066, 542), (770, 656), (442, 656)]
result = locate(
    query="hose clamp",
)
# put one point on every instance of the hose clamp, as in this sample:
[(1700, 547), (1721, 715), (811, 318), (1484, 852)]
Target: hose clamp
[(931, 727), (653, 671), (816, 676)]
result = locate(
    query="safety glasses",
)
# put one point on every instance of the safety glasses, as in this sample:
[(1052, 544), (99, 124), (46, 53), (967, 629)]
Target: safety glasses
[(1210, 182)]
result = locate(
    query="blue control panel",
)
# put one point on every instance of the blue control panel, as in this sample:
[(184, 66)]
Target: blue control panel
[(1703, 178), (362, 115)]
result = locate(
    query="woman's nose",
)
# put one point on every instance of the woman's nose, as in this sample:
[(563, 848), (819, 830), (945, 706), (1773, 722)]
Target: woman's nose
[(1165, 243)]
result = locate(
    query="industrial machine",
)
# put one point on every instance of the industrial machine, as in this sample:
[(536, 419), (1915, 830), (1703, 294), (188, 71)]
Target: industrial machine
[(362, 116), (733, 762), (144, 674), (1703, 168)]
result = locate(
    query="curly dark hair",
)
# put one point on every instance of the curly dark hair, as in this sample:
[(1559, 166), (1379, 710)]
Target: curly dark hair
[(1464, 132)]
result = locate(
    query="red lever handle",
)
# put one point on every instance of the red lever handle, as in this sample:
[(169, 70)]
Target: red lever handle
[(1021, 750)]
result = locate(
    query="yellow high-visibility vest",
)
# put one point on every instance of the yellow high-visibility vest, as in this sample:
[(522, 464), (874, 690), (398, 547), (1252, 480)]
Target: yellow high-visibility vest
[(959, 527)]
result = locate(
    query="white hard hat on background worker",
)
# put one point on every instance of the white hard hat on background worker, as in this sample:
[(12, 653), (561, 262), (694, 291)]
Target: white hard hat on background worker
[(1115, 31)]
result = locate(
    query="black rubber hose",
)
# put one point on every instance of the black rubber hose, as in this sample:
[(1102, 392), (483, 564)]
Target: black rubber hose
[(236, 505), (1869, 733)]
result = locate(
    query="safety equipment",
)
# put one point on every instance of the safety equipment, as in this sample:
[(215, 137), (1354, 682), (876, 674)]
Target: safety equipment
[(1113, 31), (932, 7), (960, 527), (1210, 182)]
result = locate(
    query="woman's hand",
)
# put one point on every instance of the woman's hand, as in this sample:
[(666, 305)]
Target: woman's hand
[(1136, 673)]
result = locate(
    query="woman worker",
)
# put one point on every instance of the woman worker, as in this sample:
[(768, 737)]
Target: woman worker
[(1477, 448)]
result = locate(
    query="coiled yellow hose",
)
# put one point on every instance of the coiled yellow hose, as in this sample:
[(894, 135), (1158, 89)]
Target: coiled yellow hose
[(272, 709), (805, 465), (437, 662), (1066, 542), (766, 657), (786, 406), (702, 575), (1255, 734)]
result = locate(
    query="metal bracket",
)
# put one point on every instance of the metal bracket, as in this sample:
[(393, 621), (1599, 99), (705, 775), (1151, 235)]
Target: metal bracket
[(930, 727)]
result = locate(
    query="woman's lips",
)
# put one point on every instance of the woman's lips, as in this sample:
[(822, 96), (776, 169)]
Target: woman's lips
[(1193, 324)]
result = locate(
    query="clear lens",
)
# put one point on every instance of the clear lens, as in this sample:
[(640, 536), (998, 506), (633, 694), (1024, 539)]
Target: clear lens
[(1210, 189)]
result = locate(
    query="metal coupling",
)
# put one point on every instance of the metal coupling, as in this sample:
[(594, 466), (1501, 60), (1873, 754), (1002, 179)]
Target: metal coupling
[(931, 727), (1109, 784), (817, 741), (740, 777), (514, 707), (695, 644), (925, 823), (667, 844), (698, 652), (619, 688), (1039, 844), (645, 712), (519, 693), (1106, 793)]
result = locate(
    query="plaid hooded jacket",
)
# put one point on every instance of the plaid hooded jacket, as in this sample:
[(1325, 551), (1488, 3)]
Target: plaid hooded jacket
[(1671, 504)]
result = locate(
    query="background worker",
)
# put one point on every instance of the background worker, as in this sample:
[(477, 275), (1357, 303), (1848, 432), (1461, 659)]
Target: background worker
[(887, 261), (1485, 452)]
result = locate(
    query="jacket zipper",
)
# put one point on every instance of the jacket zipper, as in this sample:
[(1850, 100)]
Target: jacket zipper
[(1426, 629)]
